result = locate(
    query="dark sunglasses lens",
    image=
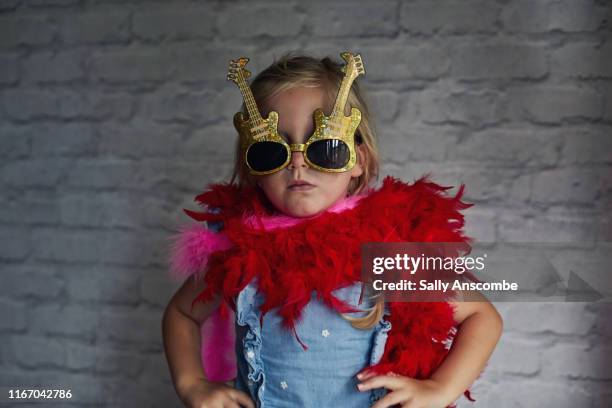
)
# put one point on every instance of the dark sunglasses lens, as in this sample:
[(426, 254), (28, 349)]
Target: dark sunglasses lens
[(266, 156), (329, 153)]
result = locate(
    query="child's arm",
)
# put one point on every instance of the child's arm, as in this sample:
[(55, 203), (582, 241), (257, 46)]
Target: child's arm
[(181, 334), (479, 329)]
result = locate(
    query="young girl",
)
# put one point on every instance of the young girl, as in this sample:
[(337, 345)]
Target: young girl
[(274, 299)]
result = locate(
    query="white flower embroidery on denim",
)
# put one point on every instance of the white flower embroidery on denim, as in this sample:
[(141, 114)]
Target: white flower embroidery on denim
[(250, 354), (325, 333), (284, 385)]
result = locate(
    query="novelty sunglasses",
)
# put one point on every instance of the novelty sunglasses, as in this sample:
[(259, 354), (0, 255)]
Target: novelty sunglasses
[(330, 148)]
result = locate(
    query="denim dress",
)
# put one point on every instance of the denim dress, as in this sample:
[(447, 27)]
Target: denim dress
[(276, 371)]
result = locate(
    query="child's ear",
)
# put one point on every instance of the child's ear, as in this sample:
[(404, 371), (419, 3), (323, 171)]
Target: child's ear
[(357, 169)]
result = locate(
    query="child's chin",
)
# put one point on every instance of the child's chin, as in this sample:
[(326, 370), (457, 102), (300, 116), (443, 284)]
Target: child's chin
[(304, 212)]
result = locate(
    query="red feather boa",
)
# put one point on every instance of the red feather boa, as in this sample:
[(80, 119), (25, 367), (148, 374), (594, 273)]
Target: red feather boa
[(322, 253)]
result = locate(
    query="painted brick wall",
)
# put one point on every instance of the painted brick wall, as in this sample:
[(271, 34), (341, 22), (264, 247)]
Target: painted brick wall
[(115, 114)]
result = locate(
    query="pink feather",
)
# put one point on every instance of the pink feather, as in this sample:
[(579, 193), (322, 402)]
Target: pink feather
[(285, 221), (217, 351), (191, 248)]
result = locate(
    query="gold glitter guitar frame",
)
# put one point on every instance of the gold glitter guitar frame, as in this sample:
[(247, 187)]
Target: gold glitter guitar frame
[(253, 128)]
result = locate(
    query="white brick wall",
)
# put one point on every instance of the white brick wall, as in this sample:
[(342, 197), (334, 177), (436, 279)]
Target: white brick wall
[(115, 114)]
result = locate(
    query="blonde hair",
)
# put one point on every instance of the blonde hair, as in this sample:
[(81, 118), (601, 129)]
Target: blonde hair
[(299, 70)]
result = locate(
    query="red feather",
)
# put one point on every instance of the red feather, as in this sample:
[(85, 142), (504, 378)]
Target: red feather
[(322, 254)]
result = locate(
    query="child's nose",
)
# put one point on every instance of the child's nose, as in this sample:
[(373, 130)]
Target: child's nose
[(297, 160)]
